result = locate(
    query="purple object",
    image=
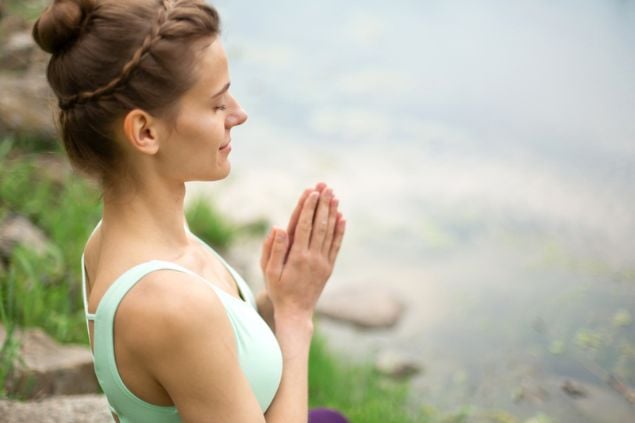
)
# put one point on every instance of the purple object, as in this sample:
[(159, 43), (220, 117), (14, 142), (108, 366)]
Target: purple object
[(326, 415)]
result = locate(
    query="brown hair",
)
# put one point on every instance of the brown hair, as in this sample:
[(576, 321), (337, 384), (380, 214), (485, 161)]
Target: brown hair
[(112, 56)]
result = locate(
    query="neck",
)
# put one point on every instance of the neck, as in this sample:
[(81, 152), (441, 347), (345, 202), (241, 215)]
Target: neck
[(152, 215)]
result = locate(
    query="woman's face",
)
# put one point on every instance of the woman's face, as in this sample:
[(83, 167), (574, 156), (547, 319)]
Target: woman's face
[(197, 146)]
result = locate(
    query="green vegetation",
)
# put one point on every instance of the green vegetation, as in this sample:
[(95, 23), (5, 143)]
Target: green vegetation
[(26, 9), (43, 288), (223, 232), (364, 394)]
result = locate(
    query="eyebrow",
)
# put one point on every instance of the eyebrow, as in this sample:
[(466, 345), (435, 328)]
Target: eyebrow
[(225, 88)]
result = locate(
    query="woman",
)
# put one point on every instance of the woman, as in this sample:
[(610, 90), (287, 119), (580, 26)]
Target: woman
[(145, 106)]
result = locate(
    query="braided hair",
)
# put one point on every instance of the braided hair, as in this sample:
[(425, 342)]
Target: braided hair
[(109, 57)]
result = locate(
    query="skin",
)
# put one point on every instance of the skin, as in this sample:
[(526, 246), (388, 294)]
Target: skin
[(173, 341)]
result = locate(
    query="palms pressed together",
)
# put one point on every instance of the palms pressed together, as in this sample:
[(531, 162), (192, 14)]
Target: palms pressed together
[(297, 262)]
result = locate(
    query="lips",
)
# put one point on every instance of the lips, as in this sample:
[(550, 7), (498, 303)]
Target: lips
[(224, 146)]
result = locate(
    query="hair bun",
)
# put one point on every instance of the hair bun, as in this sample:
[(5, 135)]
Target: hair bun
[(60, 24)]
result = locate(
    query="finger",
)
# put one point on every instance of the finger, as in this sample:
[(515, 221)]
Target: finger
[(303, 229), (274, 266), (330, 228), (320, 187), (340, 228), (293, 221), (321, 220), (266, 250), (296, 214)]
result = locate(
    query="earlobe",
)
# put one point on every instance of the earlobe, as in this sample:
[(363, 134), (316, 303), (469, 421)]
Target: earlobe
[(141, 131)]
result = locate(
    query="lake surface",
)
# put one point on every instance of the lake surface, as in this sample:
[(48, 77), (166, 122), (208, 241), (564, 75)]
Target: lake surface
[(484, 155)]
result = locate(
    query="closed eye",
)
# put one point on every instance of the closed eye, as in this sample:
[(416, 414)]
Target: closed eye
[(221, 107)]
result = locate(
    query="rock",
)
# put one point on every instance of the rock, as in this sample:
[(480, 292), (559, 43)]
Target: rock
[(18, 230), (67, 409), (396, 364), (17, 51), (26, 106), (367, 307), (530, 391), (11, 24), (574, 389), (600, 403), (45, 368), (53, 167)]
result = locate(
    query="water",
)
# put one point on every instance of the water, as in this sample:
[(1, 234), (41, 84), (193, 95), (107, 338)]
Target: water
[(484, 154)]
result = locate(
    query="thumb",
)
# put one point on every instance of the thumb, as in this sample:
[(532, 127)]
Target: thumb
[(266, 250)]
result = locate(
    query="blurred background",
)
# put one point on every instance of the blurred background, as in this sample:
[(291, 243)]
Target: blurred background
[(484, 155)]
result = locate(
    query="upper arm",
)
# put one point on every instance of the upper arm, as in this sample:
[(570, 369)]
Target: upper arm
[(189, 347)]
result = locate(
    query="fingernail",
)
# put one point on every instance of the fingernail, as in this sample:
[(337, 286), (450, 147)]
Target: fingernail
[(281, 235)]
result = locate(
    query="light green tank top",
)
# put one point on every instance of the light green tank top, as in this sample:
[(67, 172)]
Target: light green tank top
[(258, 350)]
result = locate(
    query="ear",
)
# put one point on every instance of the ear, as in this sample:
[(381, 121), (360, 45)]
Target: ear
[(141, 131)]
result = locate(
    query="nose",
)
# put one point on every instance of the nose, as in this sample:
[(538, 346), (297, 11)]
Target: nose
[(238, 116)]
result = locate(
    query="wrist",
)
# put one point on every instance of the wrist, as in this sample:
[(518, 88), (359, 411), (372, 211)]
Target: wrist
[(293, 321)]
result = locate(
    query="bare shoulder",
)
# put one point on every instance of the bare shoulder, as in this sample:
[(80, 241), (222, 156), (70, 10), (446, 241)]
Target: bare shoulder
[(179, 331), (164, 305)]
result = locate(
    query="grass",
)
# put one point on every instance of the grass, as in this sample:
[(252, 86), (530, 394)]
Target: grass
[(357, 389), (218, 230), (29, 9), (44, 289)]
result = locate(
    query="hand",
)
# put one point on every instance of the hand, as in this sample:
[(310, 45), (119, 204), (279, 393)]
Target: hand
[(296, 269)]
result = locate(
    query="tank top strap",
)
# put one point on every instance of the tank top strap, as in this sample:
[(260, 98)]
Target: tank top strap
[(89, 316), (104, 354), (115, 293), (243, 288)]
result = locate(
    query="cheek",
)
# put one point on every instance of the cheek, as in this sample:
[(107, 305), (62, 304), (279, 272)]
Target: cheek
[(206, 125), (192, 132), (200, 127)]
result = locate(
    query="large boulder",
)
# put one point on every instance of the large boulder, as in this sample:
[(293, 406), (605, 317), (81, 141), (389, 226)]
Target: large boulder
[(45, 368), (53, 167), (18, 230), (10, 24), (26, 101), (67, 409), (366, 307), (17, 51), (26, 106)]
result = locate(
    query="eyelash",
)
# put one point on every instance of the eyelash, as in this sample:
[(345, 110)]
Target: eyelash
[(222, 107)]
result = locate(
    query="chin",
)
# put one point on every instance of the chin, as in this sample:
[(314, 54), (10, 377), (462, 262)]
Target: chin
[(220, 173)]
